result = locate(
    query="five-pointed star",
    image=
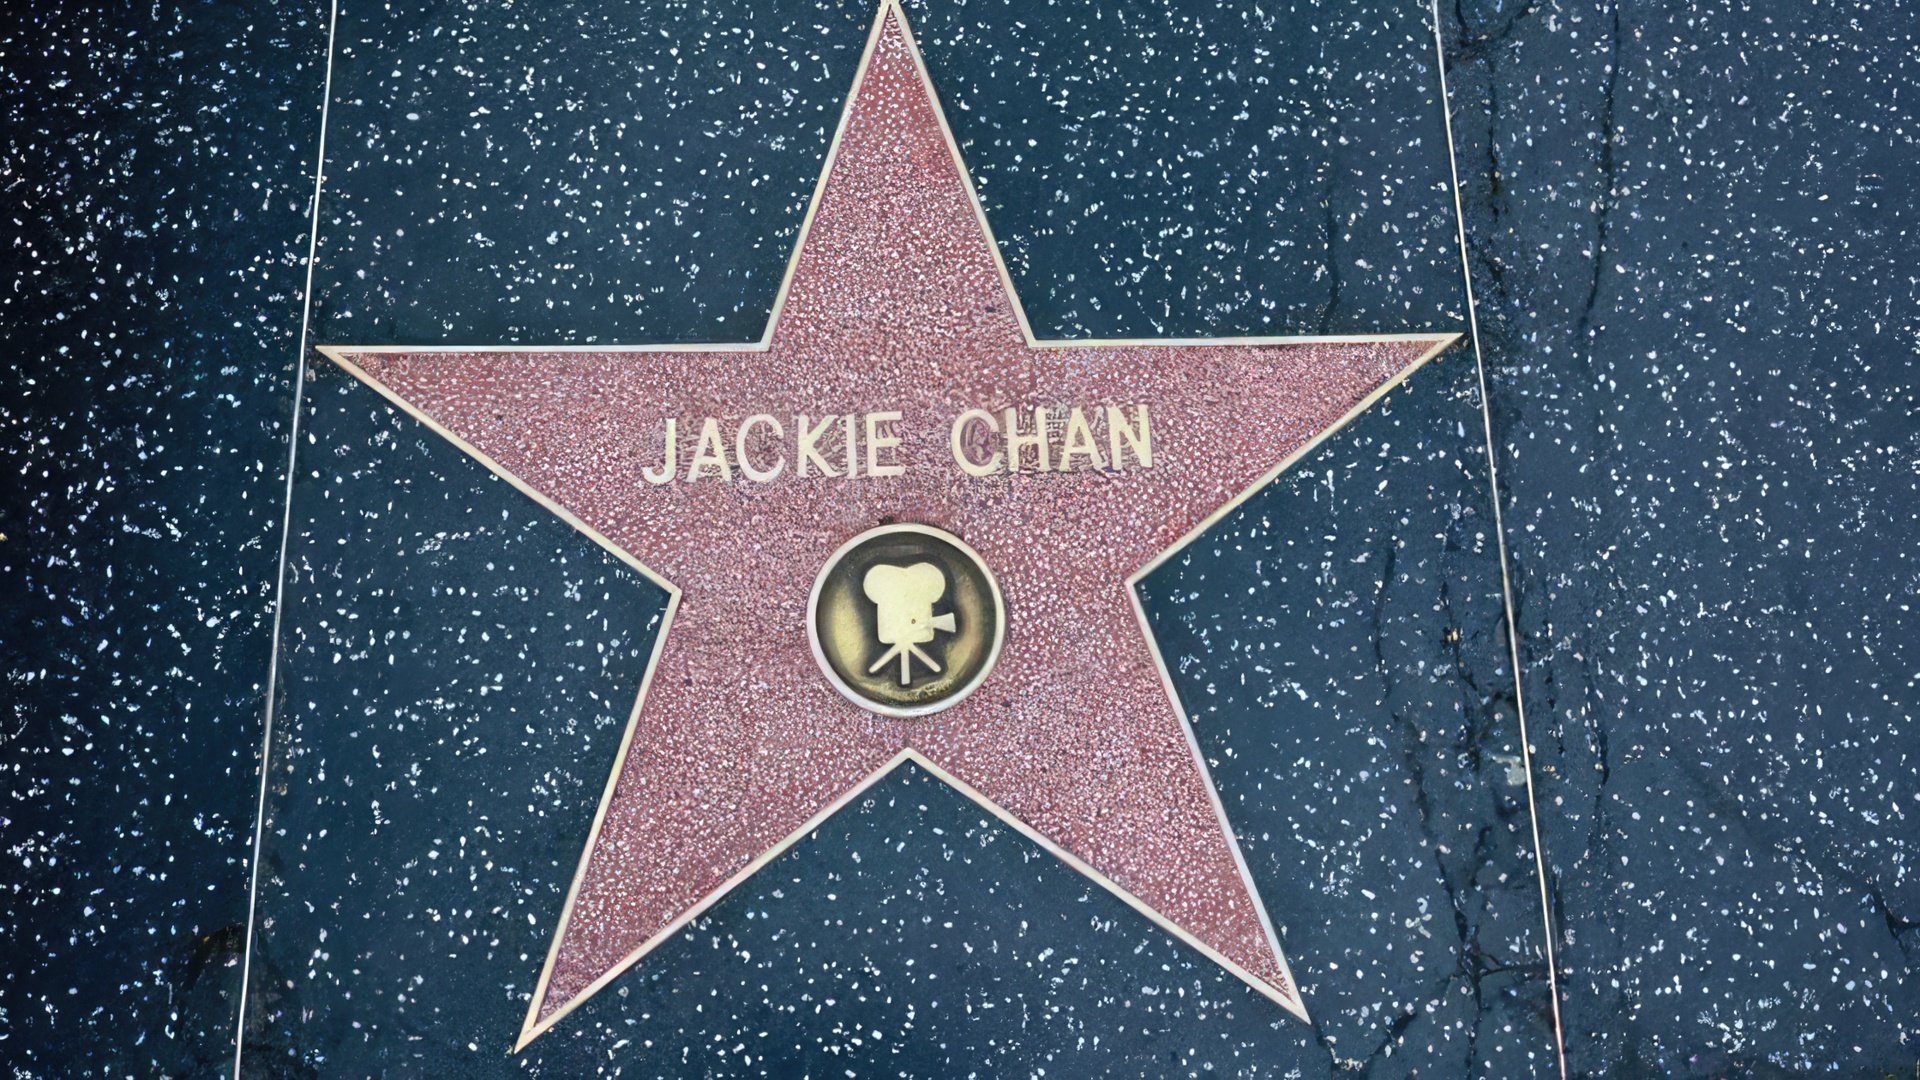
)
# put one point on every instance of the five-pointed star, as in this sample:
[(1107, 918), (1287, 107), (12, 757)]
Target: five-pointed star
[(896, 299)]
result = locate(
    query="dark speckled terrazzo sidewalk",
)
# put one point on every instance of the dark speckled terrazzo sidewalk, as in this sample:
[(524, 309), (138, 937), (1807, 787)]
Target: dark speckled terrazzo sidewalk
[(157, 180), (1691, 236), (1693, 248)]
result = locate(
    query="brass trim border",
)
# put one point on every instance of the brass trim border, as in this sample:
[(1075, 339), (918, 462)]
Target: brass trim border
[(1500, 545), (269, 709)]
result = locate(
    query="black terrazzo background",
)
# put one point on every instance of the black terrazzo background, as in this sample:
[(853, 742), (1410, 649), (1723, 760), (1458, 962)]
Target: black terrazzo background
[(1324, 745), (1694, 244), (1691, 243)]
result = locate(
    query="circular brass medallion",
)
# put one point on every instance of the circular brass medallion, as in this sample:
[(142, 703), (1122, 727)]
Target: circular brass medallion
[(905, 620)]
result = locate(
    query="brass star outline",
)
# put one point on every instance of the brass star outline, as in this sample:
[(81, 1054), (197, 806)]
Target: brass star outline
[(1433, 345)]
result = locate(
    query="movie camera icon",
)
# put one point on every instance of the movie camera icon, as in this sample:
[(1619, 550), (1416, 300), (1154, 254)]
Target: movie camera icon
[(903, 599)]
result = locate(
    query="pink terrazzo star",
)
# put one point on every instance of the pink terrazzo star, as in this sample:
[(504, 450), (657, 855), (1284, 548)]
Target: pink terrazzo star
[(895, 300)]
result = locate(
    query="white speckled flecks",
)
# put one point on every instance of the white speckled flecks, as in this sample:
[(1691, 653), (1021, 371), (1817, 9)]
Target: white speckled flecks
[(896, 303)]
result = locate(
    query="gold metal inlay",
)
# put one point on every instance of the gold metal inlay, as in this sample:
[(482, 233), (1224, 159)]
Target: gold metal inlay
[(905, 620)]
